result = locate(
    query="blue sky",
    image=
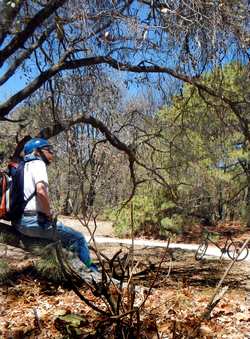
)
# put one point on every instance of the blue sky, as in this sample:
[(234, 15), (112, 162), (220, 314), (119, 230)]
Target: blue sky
[(14, 84), (18, 81)]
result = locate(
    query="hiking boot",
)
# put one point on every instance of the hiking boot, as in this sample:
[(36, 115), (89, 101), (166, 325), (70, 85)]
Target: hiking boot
[(93, 268)]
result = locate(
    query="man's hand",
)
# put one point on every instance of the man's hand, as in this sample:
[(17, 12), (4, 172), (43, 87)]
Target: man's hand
[(53, 216), (50, 216)]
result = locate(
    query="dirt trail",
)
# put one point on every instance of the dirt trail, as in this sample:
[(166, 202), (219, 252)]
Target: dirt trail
[(105, 234)]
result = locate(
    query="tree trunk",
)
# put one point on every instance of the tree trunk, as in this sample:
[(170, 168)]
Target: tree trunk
[(247, 213), (10, 236)]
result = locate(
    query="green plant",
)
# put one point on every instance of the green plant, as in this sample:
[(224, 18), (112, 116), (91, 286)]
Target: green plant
[(145, 204), (4, 271), (6, 238), (47, 265), (172, 225)]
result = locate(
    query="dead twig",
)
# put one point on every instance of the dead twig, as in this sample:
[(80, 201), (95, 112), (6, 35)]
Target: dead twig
[(217, 293), (156, 276), (37, 320)]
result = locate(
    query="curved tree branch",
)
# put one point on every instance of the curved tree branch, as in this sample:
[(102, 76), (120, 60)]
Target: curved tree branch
[(63, 64), (54, 130)]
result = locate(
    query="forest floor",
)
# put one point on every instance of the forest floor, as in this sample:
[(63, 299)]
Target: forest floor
[(32, 306)]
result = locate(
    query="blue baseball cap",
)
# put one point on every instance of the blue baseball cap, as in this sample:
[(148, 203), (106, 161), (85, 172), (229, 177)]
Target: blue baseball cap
[(35, 143)]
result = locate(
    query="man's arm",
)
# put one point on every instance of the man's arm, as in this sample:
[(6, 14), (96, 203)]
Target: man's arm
[(42, 195)]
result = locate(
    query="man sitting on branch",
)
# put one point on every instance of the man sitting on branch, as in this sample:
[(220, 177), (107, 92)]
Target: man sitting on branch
[(36, 219)]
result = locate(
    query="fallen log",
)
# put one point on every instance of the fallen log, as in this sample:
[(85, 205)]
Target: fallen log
[(10, 236)]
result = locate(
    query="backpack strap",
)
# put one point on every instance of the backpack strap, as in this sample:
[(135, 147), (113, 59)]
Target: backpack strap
[(30, 197), (34, 193)]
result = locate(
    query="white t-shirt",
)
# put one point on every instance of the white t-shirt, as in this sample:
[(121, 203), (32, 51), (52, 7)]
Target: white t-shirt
[(35, 171)]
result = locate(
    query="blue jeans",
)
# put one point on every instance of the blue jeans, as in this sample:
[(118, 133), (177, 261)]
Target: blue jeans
[(39, 226)]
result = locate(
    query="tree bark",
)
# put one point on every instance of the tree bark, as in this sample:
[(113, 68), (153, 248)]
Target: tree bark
[(10, 236), (247, 172)]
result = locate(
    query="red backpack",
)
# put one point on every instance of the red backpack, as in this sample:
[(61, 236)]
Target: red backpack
[(3, 185), (11, 186)]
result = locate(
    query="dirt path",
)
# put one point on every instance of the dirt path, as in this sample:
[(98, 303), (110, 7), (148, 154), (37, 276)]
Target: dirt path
[(104, 234)]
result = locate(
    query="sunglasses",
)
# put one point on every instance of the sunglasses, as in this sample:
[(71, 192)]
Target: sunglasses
[(49, 149)]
